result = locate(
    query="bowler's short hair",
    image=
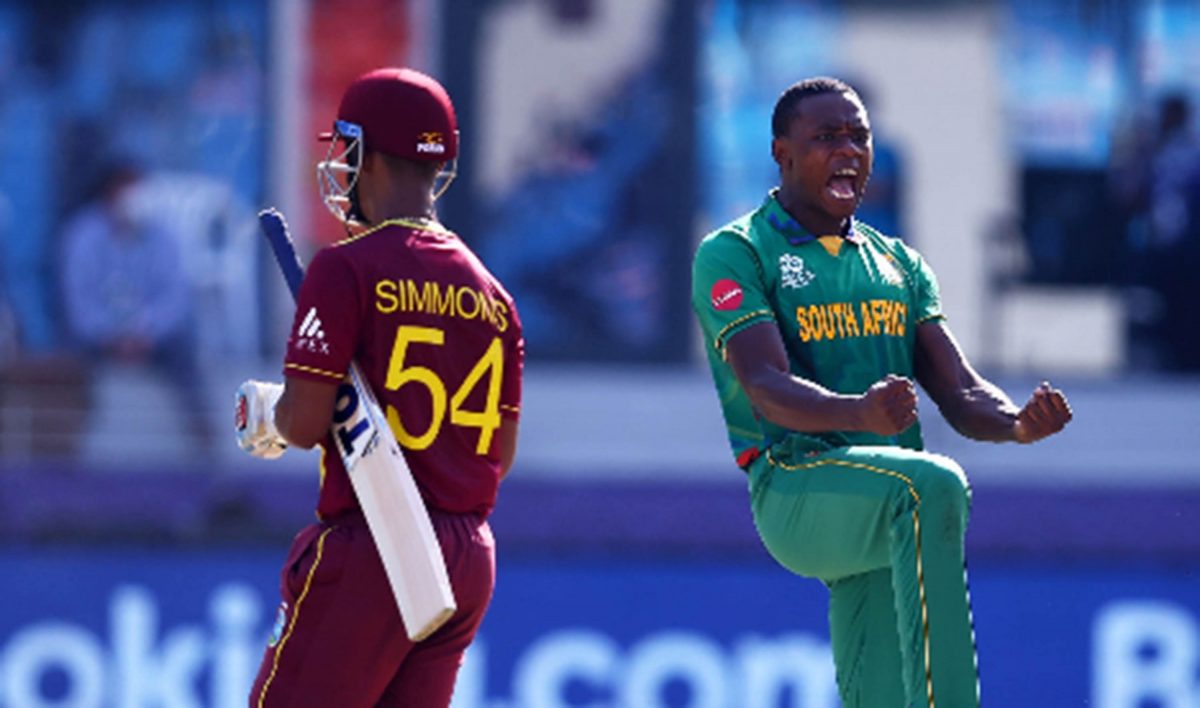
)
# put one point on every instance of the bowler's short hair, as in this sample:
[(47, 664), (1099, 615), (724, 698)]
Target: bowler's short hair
[(785, 107)]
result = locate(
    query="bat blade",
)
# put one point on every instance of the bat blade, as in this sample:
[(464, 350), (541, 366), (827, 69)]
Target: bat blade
[(386, 491)]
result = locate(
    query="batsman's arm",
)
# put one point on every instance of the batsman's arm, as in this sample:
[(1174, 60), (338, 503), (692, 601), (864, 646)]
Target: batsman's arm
[(304, 410), (974, 406)]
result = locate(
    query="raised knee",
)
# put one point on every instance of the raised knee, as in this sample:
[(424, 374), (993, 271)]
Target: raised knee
[(943, 480), (945, 499)]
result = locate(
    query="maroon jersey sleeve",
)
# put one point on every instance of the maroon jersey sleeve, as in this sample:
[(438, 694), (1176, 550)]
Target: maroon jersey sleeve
[(325, 329)]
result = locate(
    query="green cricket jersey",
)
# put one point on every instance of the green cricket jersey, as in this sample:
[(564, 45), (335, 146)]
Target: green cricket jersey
[(846, 306)]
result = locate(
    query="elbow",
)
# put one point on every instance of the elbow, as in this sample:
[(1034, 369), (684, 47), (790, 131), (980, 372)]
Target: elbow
[(762, 398), (772, 414)]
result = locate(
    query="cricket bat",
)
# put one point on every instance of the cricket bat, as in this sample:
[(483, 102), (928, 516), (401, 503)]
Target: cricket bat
[(390, 501)]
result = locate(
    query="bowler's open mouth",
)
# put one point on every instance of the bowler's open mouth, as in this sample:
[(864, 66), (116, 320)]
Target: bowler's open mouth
[(844, 183)]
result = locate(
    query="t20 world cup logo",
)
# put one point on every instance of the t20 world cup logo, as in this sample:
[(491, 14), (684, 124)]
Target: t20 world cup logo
[(793, 273)]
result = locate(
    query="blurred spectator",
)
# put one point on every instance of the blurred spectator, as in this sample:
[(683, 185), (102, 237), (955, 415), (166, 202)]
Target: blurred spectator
[(1157, 180), (43, 399), (126, 297)]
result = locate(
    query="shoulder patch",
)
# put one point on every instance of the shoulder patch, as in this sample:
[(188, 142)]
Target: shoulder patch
[(726, 295)]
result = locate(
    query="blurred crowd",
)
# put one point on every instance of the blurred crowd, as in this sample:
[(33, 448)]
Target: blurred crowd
[(127, 227), (135, 135), (1155, 182)]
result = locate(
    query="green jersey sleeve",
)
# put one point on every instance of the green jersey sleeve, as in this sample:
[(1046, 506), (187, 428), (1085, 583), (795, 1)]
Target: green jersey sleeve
[(927, 297), (728, 292)]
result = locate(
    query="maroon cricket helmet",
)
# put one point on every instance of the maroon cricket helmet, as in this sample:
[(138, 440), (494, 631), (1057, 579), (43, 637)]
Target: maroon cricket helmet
[(402, 112)]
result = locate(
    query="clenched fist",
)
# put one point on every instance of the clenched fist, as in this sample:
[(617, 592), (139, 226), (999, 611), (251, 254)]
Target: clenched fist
[(1044, 414), (889, 407)]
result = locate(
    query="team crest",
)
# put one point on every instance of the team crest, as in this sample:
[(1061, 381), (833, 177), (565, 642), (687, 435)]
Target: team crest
[(793, 273)]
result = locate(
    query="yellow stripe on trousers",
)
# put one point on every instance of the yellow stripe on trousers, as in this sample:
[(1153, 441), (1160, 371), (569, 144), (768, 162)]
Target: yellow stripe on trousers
[(912, 490), (262, 697), (924, 609)]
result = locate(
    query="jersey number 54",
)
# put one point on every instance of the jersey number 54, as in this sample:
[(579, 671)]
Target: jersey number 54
[(491, 365)]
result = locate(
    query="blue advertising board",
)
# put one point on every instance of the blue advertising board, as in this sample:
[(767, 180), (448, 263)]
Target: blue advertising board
[(112, 627)]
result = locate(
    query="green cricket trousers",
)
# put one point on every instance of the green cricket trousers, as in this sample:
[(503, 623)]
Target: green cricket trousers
[(883, 528)]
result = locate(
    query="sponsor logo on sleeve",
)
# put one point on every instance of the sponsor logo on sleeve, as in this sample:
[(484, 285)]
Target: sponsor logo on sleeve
[(310, 336), (726, 295)]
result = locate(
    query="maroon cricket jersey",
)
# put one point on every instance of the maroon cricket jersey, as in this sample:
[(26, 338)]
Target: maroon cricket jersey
[(439, 342)]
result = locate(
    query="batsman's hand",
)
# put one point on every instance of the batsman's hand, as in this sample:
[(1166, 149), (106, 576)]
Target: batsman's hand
[(254, 419), (1044, 414), (889, 407)]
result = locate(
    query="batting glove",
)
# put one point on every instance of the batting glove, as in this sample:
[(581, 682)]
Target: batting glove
[(254, 419)]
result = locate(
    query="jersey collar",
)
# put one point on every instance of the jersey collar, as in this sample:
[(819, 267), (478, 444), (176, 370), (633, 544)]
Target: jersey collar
[(420, 225), (789, 228)]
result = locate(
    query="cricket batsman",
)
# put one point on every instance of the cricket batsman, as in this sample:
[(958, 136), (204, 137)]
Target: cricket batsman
[(817, 328), (439, 341)]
